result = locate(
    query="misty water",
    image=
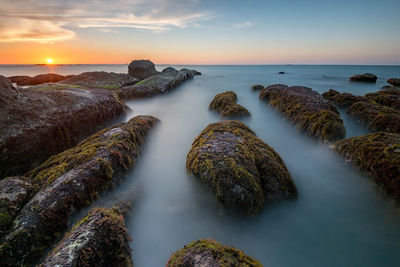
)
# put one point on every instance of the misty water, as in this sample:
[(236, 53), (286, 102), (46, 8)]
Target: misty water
[(340, 217)]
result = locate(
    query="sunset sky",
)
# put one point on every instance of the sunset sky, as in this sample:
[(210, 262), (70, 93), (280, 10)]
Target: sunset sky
[(200, 32)]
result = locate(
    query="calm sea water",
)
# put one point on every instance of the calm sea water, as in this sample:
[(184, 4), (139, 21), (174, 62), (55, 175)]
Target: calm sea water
[(340, 218)]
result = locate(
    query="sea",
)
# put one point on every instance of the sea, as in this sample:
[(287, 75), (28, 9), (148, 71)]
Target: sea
[(339, 218)]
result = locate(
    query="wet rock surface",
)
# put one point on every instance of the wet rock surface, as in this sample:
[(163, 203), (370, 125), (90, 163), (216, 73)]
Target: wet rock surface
[(226, 104), (102, 80), (307, 109), (99, 239), (208, 252), (69, 181), (379, 155), (342, 99), (239, 168), (141, 69), (38, 79), (365, 77), (41, 121)]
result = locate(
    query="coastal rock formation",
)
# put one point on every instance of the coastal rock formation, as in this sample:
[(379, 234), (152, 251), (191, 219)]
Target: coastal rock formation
[(39, 122), (69, 181), (366, 77), (307, 109), (14, 193), (207, 252), (342, 99), (99, 239), (379, 155), (101, 79), (141, 69), (394, 81), (389, 98), (240, 169), (38, 79), (225, 104), (257, 87)]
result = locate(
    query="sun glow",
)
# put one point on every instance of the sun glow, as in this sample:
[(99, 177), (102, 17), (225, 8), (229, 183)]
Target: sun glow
[(49, 61)]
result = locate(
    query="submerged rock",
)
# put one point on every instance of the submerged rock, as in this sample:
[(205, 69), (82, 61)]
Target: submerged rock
[(307, 109), (207, 252), (394, 81), (99, 239), (257, 87), (101, 79), (38, 79), (366, 77), (69, 181), (226, 104), (42, 121), (240, 169), (379, 155), (141, 69), (342, 99)]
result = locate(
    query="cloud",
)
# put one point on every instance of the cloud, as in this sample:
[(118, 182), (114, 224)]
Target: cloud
[(48, 21), (245, 24)]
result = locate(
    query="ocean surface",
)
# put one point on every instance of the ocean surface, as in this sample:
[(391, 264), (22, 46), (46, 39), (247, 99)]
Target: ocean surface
[(340, 217)]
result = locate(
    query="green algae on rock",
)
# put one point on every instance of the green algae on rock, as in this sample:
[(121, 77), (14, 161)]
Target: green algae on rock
[(69, 181), (257, 87), (307, 109), (342, 99), (239, 168), (389, 98), (102, 80), (208, 252), (226, 104), (379, 155), (38, 79), (99, 239)]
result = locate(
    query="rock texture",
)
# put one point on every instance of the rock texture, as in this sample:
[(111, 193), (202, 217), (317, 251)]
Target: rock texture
[(240, 169), (226, 104), (366, 77), (307, 109), (388, 98), (99, 239), (394, 81), (257, 87), (42, 121), (207, 252), (101, 79), (69, 181), (38, 79), (342, 99), (379, 155), (141, 69)]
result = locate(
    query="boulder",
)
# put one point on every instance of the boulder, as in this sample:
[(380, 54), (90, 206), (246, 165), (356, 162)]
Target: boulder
[(379, 155), (138, 91), (307, 109), (257, 87), (366, 77), (38, 79), (342, 99), (41, 121), (208, 252), (239, 168), (394, 81), (141, 69), (101, 79), (68, 182), (388, 98), (226, 104), (99, 239)]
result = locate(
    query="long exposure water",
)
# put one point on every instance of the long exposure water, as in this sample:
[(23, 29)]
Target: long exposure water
[(340, 218)]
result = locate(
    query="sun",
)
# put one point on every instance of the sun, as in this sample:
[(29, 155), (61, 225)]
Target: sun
[(49, 61)]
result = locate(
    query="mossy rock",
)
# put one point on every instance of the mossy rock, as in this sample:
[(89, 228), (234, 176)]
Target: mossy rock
[(342, 99), (226, 104), (379, 155), (208, 252), (394, 81), (239, 168), (99, 239), (307, 109), (257, 87), (388, 98), (69, 181), (101, 79)]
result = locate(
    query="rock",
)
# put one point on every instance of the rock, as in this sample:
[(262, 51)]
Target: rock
[(394, 81), (170, 69), (379, 155), (239, 168), (69, 181), (366, 77), (101, 79), (388, 87), (14, 192), (307, 109), (99, 239), (207, 252), (257, 87), (38, 79), (281, 72), (342, 99), (389, 98), (141, 69), (41, 121), (138, 91), (225, 104)]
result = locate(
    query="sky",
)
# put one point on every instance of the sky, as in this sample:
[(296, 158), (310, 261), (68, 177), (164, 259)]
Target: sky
[(200, 31)]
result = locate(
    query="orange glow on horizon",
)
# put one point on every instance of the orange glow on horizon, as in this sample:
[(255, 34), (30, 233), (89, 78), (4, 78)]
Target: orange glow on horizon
[(49, 61)]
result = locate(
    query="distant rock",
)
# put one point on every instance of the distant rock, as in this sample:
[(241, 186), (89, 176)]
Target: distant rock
[(239, 168), (394, 81), (102, 80), (257, 87), (141, 69), (342, 99), (281, 72), (388, 87), (210, 253), (38, 79), (366, 77), (226, 104), (41, 121), (170, 69)]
